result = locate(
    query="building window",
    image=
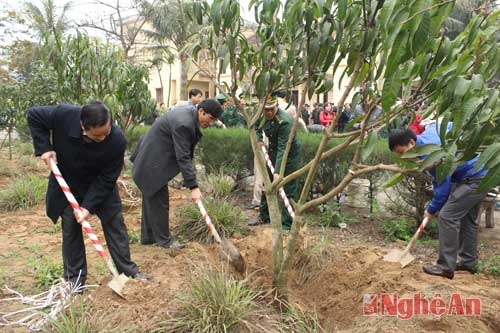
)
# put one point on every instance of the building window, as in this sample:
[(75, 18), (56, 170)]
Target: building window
[(159, 95), (325, 97)]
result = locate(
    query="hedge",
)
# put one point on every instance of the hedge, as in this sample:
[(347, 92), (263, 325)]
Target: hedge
[(230, 150)]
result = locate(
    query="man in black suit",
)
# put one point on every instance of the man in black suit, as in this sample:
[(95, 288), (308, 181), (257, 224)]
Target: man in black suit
[(162, 153), (89, 151)]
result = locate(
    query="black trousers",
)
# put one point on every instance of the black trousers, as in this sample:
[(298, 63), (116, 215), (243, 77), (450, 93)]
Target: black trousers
[(154, 221), (73, 249)]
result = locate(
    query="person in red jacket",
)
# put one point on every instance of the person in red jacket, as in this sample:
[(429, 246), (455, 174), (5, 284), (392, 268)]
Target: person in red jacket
[(326, 116), (416, 125)]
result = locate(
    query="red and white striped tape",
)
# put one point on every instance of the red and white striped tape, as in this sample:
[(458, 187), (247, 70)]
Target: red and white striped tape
[(85, 224), (208, 221), (280, 190), (422, 227)]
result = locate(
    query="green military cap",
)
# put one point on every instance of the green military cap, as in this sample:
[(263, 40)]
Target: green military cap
[(271, 102), (221, 98)]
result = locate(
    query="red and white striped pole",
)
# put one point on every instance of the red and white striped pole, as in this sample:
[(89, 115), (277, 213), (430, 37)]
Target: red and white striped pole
[(85, 224), (208, 221), (280, 190)]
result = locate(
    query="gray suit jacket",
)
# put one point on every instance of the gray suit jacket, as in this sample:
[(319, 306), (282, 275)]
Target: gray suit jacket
[(166, 149)]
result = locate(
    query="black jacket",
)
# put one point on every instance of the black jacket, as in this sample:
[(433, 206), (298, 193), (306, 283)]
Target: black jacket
[(90, 169), (166, 149)]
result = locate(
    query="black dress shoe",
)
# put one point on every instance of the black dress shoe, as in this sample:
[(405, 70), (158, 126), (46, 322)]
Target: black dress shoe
[(176, 245), (142, 277), (257, 221), (461, 267), (438, 271)]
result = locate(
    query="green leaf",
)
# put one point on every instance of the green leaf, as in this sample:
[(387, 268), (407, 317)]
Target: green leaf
[(492, 151), (462, 86), (445, 168), (397, 178), (491, 180), (368, 147), (390, 91), (422, 150), (432, 159), (342, 9)]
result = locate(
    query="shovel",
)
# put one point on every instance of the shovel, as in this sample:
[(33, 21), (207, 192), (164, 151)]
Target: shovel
[(119, 280), (228, 249), (404, 257)]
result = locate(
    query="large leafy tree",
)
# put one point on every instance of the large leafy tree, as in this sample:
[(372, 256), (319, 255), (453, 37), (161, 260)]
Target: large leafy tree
[(396, 49)]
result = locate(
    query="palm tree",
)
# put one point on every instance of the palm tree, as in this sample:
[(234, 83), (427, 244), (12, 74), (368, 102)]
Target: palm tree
[(45, 19), (171, 24)]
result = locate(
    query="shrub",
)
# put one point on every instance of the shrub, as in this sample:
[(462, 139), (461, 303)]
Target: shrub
[(134, 134), (394, 230), (228, 149), (227, 219), (218, 147), (23, 193), (330, 215), (216, 303)]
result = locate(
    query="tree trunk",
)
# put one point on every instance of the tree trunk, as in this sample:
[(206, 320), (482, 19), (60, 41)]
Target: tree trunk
[(169, 84), (184, 76), (280, 281), (10, 142)]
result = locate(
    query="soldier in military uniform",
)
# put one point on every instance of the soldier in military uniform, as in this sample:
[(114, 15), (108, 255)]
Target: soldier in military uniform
[(276, 124), (231, 116)]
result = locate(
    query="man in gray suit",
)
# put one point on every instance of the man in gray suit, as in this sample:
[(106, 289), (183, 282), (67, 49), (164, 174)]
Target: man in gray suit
[(162, 153)]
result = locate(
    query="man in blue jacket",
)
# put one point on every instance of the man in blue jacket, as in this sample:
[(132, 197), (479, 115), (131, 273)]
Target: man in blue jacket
[(456, 199), (89, 151)]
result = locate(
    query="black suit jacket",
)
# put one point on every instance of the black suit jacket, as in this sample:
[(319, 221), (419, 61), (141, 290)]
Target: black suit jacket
[(90, 169), (166, 149)]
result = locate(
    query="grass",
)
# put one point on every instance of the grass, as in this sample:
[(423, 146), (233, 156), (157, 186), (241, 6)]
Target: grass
[(490, 266), (47, 271), (79, 319), (5, 169), (329, 215), (23, 148), (218, 303), (134, 237), (310, 260), (23, 193), (227, 219), (73, 320), (297, 320), (215, 303), (219, 185)]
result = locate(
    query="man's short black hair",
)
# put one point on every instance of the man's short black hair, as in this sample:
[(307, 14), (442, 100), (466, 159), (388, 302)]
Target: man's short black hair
[(212, 107), (401, 137), (194, 92), (95, 114)]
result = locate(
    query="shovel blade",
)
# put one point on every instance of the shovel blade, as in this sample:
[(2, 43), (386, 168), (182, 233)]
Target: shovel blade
[(233, 255), (118, 283), (402, 257)]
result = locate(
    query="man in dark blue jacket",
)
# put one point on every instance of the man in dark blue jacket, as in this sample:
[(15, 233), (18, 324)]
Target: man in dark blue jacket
[(161, 154), (456, 199), (89, 151)]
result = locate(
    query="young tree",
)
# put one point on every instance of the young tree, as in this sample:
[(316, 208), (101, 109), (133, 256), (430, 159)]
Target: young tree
[(399, 43), (45, 19)]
